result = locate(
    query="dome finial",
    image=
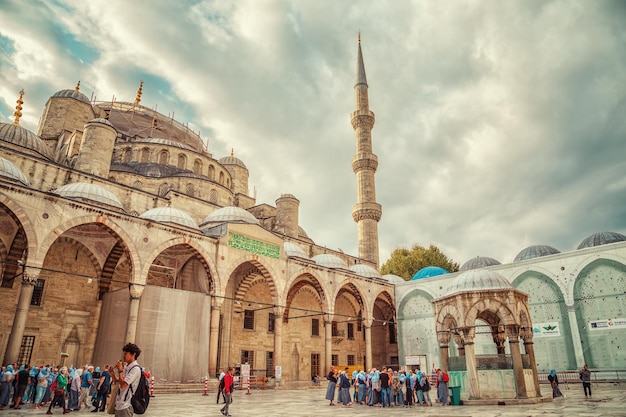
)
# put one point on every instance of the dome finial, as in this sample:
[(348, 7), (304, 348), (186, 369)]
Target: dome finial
[(232, 151), (139, 91), (18, 108), (359, 35), (77, 88)]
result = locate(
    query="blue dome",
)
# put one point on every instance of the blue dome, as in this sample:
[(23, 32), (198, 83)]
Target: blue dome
[(601, 238), (535, 251), (429, 271), (478, 262)]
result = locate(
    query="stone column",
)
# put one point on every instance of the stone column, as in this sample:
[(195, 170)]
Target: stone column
[(443, 337), (133, 312), (470, 364), (518, 369), (21, 315), (214, 334), (459, 342), (368, 345), (278, 336), (529, 347), (328, 332), (575, 334)]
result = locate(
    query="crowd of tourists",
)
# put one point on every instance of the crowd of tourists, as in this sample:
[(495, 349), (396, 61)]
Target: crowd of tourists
[(386, 387)]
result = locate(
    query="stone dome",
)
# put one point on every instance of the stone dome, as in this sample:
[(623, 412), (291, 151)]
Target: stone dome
[(479, 262), (330, 261), (294, 250), (91, 192), (394, 278), (10, 171), (365, 271), (17, 135), (72, 94), (232, 160), (535, 251), (428, 272), (170, 215), (101, 121), (478, 279), (231, 214), (167, 142), (601, 238)]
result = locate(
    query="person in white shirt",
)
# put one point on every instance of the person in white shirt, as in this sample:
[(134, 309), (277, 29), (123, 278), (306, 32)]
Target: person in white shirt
[(127, 374)]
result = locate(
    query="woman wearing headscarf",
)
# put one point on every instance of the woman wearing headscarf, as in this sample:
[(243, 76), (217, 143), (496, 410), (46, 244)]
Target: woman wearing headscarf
[(361, 379), (59, 391), (332, 384), (42, 385), (75, 390), (104, 388), (5, 386), (554, 383)]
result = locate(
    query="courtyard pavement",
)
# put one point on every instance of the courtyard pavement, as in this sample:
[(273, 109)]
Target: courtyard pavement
[(609, 400)]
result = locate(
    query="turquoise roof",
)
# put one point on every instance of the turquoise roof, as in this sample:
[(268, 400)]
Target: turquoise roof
[(429, 271)]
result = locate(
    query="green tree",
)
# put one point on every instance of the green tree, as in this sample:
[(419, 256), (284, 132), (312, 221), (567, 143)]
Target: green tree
[(405, 263)]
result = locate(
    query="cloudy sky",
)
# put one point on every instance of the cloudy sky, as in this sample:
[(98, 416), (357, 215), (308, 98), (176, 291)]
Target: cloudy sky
[(499, 124)]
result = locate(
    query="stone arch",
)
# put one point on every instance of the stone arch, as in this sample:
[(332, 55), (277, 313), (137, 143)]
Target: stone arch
[(411, 295), (304, 278), (145, 155), (197, 166), (357, 292), (182, 161), (20, 217), (254, 264), (86, 251), (487, 309), (164, 157), (570, 297)]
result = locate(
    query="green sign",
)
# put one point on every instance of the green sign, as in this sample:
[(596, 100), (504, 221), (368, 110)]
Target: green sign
[(253, 246)]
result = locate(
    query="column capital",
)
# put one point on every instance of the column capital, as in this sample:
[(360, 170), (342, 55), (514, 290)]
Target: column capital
[(512, 332), (136, 291), (443, 337)]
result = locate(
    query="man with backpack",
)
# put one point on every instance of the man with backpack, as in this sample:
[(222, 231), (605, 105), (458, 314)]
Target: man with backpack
[(128, 374)]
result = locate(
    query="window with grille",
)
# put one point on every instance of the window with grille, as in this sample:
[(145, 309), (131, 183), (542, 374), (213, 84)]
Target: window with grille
[(248, 320), (315, 327), (350, 331), (351, 361), (37, 297), (335, 330), (334, 360), (269, 364), (26, 349), (395, 360), (270, 322), (315, 364), (247, 357)]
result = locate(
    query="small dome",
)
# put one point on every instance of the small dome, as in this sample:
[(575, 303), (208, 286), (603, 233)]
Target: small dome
[(231, 214), (479, 262), (365, 271), (302, 233), (170, 215), (102, 121), (92, 192), (478, 279), (429, 271), (167, 142), (293, 250), (232, 160), (330, 261), (10, 171), (394, 278), (535, 251), (17, 135), (601, 238), (72, 94)]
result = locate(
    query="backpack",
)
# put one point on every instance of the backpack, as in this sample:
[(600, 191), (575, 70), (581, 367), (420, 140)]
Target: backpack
[(222, 383), (141, 396), (446, 377)]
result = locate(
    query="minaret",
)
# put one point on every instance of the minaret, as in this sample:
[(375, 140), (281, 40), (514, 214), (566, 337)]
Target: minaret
[(366, 212)]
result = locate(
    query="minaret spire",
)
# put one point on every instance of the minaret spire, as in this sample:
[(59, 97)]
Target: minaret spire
[(366, 212), (18, 109), (138, 95)]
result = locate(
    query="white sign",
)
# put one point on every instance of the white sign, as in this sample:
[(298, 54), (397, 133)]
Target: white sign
[(607, 324), (415, 360), (547, 329), (278, 373), (245, 370)]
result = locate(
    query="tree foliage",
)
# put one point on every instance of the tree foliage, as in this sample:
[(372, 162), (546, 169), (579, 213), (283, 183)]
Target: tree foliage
[(405, 263)]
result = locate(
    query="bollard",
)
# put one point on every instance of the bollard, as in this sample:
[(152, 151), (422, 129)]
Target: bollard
[(152, 387), (206, 386), (248, 380)]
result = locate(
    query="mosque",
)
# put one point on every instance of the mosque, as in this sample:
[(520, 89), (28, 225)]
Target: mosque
[(117, 224)]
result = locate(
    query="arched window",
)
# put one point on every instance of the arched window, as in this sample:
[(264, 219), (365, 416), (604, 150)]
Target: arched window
[(145, 155), (228, 182), (197, 166), (189, 189), (163, 189), (182, 161), (221, 177), (138, 185), (211, 172), (128, 155), (164, 157), (213, 196)]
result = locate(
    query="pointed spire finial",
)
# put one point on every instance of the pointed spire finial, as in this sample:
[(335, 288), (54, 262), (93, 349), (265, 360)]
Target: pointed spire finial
[(77, 88), (359, 36), (232, 151), (139, 91), (18, 108)]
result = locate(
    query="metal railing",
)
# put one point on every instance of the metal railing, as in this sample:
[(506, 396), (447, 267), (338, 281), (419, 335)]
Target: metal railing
[(616, 376)]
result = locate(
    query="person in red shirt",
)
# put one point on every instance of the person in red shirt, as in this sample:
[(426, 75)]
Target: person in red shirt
[(228, 390)]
